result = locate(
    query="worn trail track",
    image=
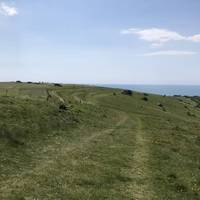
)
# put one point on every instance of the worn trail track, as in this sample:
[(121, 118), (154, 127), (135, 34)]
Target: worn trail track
[(61, 151), (140, 170)]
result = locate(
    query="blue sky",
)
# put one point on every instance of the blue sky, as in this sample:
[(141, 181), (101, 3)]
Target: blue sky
[(100, 41)]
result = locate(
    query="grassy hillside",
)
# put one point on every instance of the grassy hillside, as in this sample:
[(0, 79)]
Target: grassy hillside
[(81, 142)]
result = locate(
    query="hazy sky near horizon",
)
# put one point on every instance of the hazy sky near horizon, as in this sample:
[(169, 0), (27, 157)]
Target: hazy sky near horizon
[(100, 41)]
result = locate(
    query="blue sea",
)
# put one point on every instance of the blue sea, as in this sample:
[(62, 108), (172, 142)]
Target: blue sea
[(169, 90)]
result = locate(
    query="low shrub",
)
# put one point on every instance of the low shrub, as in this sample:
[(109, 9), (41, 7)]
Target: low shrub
[(190, 114), (160, 105), (145, 99), (127, 92), (177, 96), (57, 85), (63, 107), (180, 188), (172, 176)]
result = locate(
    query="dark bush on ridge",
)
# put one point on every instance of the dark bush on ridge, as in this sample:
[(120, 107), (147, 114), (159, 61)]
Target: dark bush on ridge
[(145, 99), (127, 92), (57, 85), (177, 96)]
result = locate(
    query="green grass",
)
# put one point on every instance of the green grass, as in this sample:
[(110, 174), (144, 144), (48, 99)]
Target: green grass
[(103, 146)]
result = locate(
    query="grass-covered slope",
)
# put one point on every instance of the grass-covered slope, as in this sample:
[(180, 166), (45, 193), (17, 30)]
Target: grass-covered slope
[(81, 142)]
